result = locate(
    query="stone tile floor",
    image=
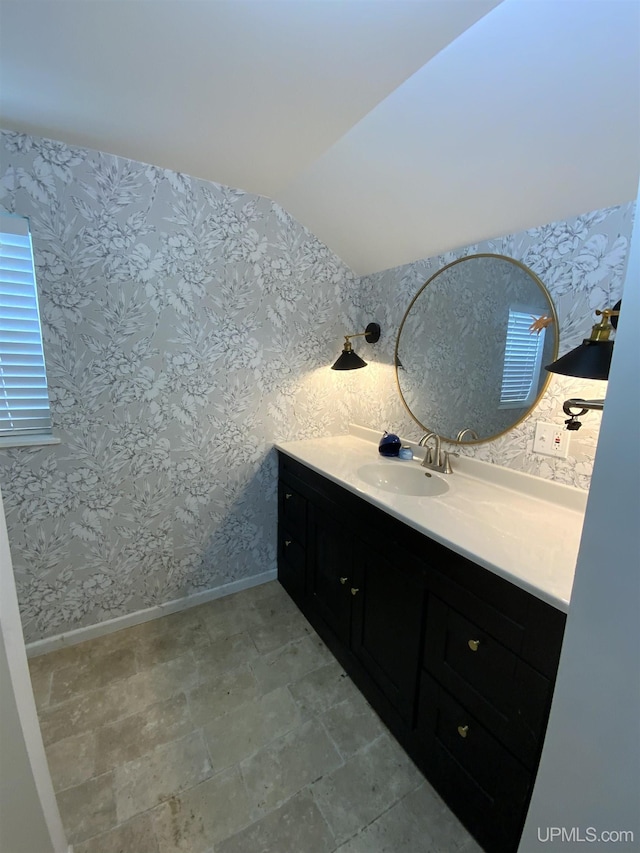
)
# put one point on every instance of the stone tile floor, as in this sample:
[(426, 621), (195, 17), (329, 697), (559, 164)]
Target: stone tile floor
[(228, 728)]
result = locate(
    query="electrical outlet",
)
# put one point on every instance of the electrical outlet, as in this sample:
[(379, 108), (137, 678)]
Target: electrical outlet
[(551, 440)]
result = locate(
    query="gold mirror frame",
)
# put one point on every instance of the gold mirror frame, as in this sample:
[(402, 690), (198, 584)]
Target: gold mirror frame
[(543, 387)]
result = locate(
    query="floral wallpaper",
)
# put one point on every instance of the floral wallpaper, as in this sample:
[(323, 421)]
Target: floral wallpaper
[(582, 262), (181, 320), (188, 326)]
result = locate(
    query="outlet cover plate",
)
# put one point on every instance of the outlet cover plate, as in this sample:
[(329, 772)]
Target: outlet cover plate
[(551, 440)]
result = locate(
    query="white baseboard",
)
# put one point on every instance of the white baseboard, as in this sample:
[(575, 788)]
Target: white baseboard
[(79, 635)]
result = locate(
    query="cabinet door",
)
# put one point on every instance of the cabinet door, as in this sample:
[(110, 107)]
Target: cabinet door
[(387, 615), (292, 532), (330, 579)]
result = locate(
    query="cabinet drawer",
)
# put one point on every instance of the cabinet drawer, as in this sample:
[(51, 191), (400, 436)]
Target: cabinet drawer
[(529, 627), (293, 511), (509, 697), (480, 780)]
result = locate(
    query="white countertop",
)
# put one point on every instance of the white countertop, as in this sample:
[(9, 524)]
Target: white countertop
[(523, 528)]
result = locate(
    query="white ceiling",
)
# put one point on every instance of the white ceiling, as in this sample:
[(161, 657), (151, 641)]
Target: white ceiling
[(393, 129)]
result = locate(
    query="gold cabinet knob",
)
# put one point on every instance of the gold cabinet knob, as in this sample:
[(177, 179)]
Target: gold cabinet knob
[(288, 495), (462, 730), (473, 645), (287, 542), (354, 590), (343, 581)]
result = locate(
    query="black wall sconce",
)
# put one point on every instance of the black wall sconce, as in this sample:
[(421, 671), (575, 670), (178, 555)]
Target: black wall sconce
[(348, 359), (590, 360)]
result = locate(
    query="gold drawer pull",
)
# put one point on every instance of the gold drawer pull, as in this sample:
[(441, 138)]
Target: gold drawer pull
[(354, 590), (473, 645), (462, 730), (343, 581), (287, 542), (288, 495)]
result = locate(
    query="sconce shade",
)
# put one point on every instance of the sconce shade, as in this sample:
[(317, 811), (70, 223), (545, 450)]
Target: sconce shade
[(348, 359), (590, 360)]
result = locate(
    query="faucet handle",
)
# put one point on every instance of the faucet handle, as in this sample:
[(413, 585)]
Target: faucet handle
[(446, 463)]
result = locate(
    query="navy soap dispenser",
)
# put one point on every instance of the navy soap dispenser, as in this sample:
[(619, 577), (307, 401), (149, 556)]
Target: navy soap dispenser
[(389, 445)]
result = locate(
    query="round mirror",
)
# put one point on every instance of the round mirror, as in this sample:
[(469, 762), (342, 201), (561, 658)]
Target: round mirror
[(472, 346)]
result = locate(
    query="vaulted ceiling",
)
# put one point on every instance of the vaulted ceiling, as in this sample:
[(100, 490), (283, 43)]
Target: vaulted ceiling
[(393, 129)]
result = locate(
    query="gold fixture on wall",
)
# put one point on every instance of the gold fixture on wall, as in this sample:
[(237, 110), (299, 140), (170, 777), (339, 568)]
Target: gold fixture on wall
[(590, 360)]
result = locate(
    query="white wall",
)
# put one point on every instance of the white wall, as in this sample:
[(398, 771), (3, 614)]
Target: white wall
[(529, 116), (29, 817), (590, 770)]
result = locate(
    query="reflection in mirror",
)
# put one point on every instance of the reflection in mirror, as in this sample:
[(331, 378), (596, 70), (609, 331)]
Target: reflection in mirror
[(471, 346)]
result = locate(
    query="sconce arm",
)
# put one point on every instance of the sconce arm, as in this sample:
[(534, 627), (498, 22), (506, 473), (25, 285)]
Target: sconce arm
[(583, 405)]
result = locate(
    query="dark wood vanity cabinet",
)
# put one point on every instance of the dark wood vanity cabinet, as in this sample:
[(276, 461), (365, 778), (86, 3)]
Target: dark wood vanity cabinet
[(458, 662)]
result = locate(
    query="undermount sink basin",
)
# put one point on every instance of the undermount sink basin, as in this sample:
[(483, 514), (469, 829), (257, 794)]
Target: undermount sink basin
[(402, 479)]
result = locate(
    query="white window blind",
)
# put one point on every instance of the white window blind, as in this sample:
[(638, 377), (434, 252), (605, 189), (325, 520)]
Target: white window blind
[(24, 399), (522, 360)]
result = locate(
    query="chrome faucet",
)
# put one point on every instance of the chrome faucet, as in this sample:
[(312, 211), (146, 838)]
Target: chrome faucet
[(435, 458)]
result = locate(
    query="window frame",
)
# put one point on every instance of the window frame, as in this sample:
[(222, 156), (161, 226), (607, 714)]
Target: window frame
[(522, 311), (20, 315)]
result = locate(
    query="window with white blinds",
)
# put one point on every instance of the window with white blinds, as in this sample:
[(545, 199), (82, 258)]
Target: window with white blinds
[(522, 360), (24, 399)]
